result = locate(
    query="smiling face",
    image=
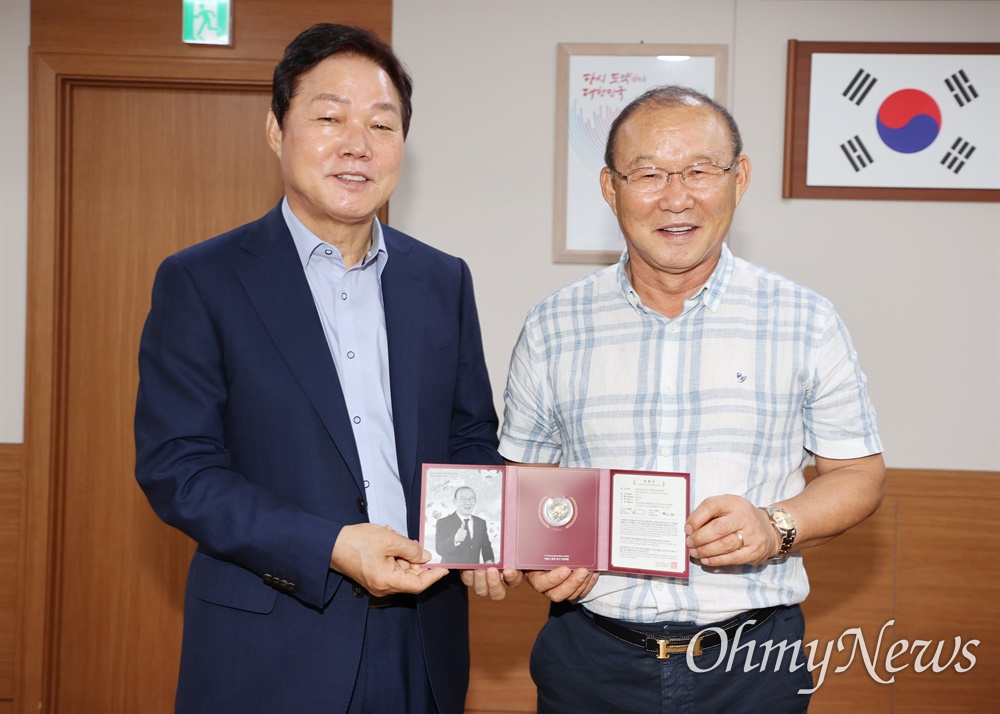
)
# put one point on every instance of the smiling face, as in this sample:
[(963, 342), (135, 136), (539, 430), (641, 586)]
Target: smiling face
[(341, 146), (465, 501), (675, 234)]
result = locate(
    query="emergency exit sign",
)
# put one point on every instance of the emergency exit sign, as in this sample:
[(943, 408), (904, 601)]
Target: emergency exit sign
[(208, 22)]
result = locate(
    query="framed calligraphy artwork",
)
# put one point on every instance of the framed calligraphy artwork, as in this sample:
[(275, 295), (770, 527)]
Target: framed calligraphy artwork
[(594, 83)]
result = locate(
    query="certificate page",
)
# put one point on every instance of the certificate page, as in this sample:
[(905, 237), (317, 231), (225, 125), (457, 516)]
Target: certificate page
[(647, 522)]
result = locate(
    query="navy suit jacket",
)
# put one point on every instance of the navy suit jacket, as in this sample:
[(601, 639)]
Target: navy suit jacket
[(243, 442), (477, 549)]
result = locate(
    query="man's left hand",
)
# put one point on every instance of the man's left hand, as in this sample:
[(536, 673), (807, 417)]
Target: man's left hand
[(492, 582), (729, 530)]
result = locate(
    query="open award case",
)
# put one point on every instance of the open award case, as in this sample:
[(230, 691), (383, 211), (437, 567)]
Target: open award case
[(540, 518)]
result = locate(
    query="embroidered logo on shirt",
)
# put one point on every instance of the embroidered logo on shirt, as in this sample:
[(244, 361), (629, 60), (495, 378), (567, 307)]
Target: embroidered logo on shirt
[(740, 377)]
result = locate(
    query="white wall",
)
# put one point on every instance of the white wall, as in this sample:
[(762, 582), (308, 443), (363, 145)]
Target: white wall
[(14, 34), (918, 284)]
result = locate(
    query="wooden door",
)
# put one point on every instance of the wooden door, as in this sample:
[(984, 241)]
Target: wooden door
[(147, 167), (176, 166)]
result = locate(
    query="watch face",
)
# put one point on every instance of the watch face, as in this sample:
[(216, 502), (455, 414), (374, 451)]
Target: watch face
[(783, 520)]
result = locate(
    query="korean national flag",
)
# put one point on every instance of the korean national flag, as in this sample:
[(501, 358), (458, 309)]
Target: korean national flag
[(904, 121)]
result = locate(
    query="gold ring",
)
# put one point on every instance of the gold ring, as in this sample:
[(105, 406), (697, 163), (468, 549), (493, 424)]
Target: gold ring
[(742, 543)]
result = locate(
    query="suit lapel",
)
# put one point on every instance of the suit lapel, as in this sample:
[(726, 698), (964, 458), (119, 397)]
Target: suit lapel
[(272, 275), (403, 300)]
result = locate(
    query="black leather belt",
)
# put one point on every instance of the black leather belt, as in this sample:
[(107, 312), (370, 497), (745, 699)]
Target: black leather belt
[(394, 600), (663, 647)]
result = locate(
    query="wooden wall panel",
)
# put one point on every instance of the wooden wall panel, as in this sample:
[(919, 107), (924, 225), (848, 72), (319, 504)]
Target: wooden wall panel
[(262, 28), (852, 584), (501, 636), (11, 528), (950, 573)]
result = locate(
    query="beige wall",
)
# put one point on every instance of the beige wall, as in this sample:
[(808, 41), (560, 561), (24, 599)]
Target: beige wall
[(14, 34), (917, 283)]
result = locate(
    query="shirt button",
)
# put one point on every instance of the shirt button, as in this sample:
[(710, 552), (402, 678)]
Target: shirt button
[(328, 251), (367, 483), (343, 296), (665, 451), (357, 420), (658, 587), (668, 389), (350, 355), (673, 327)]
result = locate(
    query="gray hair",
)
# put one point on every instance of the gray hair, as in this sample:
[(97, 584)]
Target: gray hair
[(670, 95)]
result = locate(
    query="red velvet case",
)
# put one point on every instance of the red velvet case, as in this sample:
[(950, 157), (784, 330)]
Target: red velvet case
[(544, 517)]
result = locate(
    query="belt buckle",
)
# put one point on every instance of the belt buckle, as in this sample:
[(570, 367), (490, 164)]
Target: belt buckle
[(667, 649)]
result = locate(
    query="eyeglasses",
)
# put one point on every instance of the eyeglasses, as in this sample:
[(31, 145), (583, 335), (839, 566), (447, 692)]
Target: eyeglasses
[(650, 179)]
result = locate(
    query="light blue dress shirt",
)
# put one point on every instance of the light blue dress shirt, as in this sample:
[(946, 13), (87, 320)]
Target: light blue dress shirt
[(349, 302)]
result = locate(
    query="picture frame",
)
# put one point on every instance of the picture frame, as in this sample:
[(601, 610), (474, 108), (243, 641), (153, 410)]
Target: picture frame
[(595, 81), (441, 501), (892, 121)]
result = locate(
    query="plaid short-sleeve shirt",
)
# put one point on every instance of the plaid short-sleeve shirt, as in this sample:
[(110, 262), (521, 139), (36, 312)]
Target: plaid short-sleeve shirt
[(755, 373)]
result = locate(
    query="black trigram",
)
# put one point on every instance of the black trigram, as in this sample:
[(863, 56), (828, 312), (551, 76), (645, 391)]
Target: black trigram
[(855, 151), (961, 88), (957, 155), (859, 87)]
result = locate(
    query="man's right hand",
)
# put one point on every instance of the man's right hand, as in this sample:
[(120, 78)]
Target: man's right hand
[(382, 561), (562, 583)]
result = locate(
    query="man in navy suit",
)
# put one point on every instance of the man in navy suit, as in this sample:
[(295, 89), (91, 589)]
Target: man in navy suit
[(294, 375), (461, 537)]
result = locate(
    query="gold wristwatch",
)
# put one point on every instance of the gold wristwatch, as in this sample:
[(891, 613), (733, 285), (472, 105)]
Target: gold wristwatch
[(784, 523)]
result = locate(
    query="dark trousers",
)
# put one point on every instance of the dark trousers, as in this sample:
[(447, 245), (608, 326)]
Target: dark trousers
[(580, 668), (392, 678)]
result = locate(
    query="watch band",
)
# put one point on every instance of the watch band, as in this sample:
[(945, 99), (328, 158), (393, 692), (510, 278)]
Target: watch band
[(786, 529)]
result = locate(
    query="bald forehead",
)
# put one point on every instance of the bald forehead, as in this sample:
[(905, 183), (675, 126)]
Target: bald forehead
[(698, 126), (674, 114)]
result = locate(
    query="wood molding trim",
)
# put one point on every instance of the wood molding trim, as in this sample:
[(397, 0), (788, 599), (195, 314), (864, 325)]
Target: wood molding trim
[(925, 483)]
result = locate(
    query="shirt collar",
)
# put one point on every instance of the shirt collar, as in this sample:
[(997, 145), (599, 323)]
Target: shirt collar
[(306, 242), (718, 282), (710, 293)]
